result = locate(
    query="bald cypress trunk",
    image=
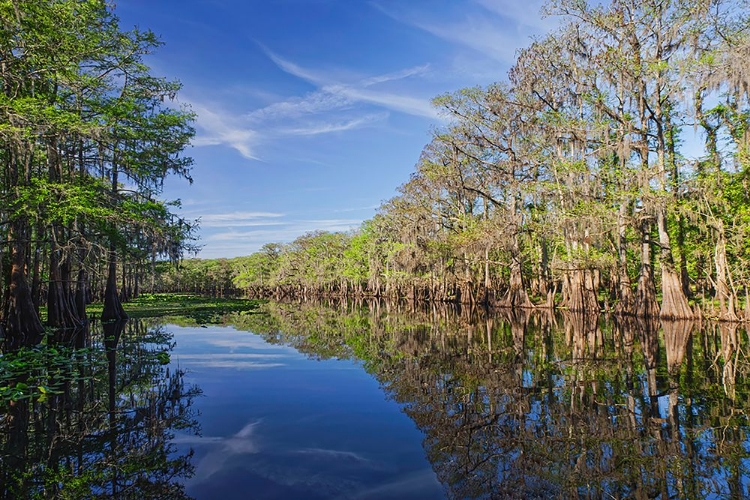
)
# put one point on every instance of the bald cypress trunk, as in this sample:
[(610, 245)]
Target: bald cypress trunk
[(23, 327), (113, 310), (60, 310), (516, 295), (82, 294), (581, 294), (723, 293), (646, 305), (626, 303), (674, 302)]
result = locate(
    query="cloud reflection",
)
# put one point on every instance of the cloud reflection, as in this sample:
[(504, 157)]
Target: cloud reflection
[(224, 450)]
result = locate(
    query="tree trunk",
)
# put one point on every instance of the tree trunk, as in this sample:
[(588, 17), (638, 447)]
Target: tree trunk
[(645, 300), (113, 310), (516, 296), (674, 303), (723, 293), (626, 303), (82, 298), (36, 272), (23, 327), (60, 313), (581, 292)]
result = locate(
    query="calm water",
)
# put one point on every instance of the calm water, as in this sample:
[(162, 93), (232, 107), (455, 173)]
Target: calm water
[(385, 402), (277, 424)]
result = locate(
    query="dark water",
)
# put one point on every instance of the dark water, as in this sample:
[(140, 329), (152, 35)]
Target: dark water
[(385, 402)]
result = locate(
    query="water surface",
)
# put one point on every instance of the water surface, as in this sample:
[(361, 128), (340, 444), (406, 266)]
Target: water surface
[(278, 424), (381, 401)]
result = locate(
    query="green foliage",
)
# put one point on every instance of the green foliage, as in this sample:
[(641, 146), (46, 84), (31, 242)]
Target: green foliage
[(198, 308), (35, 374), (87, 137)]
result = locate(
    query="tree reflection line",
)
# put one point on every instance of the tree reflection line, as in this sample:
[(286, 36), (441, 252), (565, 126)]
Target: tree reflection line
[(101, 437)]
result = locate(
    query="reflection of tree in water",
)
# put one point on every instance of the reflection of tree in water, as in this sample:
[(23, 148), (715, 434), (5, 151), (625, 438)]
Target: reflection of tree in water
[(106, 431), (545, 407)]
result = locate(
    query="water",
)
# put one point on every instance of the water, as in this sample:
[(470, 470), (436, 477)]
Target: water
[(388, 402), (280, 425)]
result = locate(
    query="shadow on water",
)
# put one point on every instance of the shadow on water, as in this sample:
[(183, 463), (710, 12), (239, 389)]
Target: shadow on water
[(531, 405), (94, 418)]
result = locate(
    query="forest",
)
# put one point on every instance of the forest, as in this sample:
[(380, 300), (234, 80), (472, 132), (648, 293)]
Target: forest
[(87, 136), (610, 171)]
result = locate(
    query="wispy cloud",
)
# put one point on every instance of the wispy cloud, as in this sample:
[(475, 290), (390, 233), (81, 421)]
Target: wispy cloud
[(295, 69), (398, 102), (325, 128), (234, 241), (360, 91), (230, 361), (356, 209), (524, 15), (334, 106), (287, 232), (295, 107), (223, 450), (478, 34), (493, 28), (240, 219), (218, 127), (397, 75)]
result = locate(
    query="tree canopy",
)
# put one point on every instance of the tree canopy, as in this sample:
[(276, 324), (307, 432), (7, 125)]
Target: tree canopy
[(87, 136)]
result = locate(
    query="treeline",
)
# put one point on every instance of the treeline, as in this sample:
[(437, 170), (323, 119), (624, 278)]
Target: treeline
[(610, 170), (87, 136)]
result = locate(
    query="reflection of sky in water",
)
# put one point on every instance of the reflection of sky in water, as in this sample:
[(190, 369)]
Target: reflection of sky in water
[(276, 424)]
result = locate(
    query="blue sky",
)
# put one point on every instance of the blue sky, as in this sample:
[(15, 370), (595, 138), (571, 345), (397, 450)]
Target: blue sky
[(312, 112)]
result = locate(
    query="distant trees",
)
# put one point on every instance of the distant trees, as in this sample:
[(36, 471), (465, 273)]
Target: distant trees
[(86, 139)]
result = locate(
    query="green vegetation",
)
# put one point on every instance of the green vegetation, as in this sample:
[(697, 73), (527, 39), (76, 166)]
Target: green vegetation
[(199, 308), (43, 371), (87, 136)]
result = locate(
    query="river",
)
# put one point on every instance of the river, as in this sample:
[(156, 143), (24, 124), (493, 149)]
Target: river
[(386, 401)]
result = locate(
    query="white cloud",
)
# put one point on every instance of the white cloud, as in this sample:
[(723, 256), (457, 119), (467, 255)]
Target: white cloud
[(223, 450), (248, 356), (325, 128), (478, 34), (295, 69), (237, 242), (294, 107), (526, 15), (496, 30), (361, 91), (240, 219), (337, 107), (230, 340), (232, 364), (288, 232), (217, 127), (397, 102), (398, 75)]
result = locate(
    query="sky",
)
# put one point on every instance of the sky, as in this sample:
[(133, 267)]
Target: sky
[(311, 113)]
